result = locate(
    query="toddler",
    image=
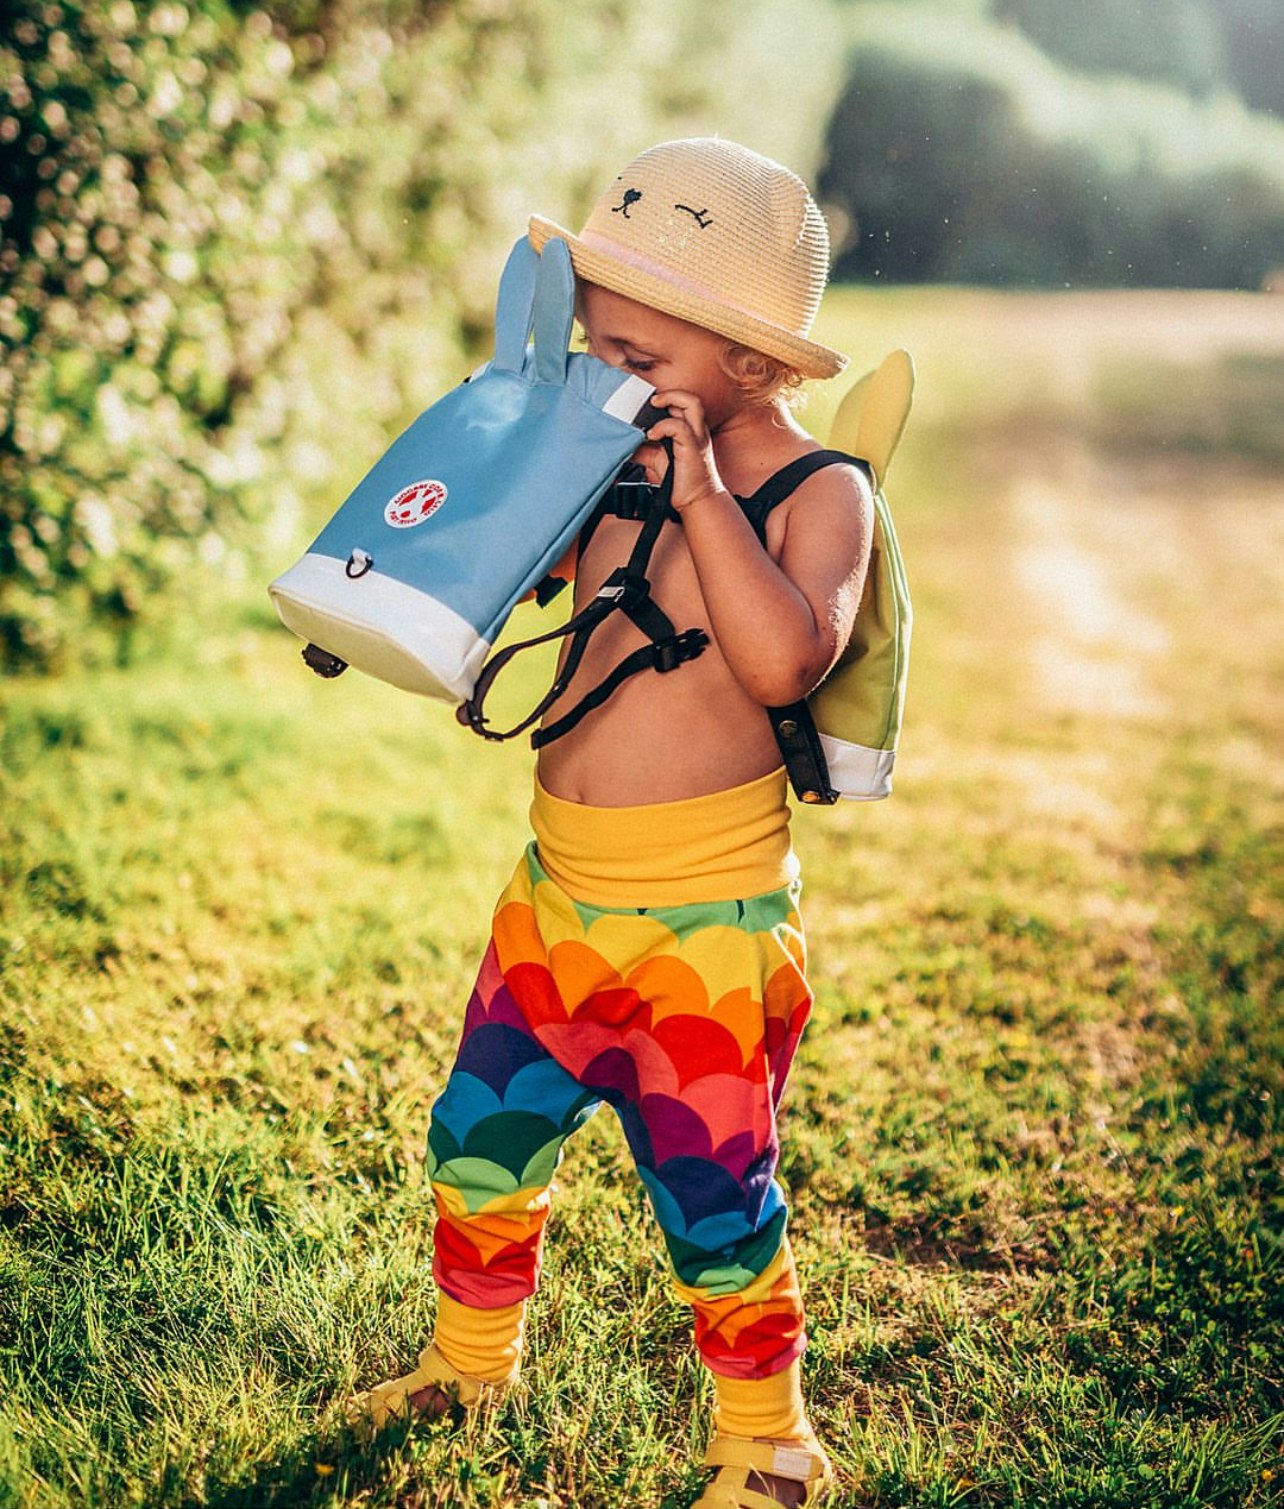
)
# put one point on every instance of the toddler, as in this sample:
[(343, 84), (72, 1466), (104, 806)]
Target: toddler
[(648, 950)]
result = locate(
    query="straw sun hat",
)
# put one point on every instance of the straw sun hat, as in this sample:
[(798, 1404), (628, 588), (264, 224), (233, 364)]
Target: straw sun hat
[(715, 234)]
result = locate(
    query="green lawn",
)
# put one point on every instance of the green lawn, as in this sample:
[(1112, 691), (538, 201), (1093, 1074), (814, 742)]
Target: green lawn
[(1033, 1142)]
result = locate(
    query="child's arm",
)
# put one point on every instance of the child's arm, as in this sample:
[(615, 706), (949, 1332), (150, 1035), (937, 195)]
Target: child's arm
[(779, 626)]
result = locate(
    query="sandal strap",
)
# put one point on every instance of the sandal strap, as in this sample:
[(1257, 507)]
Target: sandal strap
[(434, 1369), (389, 1401), (723, 1494), (798, 1463)]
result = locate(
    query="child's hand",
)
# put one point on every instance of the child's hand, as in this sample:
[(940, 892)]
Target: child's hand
[(695, 471)]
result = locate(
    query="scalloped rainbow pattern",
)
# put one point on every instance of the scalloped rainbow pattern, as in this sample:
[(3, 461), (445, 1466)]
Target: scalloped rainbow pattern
[(685, 1020)]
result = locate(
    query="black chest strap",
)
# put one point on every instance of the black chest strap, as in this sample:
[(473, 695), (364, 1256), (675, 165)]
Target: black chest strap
[(627, 590)]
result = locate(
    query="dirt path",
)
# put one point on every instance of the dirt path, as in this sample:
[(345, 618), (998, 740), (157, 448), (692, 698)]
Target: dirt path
[(1151, 604), (1150, 585), (1094, 646)]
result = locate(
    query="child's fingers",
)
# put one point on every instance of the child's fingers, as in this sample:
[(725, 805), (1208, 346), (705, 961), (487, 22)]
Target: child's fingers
[(677, 430), (684, 408), (694, 471), (679, 402), (653, 457)]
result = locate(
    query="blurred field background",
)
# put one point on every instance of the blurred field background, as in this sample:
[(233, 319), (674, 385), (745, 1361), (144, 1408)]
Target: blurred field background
[(1033, 1142)]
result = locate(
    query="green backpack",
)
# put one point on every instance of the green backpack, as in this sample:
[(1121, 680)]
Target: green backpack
[(841, 740)]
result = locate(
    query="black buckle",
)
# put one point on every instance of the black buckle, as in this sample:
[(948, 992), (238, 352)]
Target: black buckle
[(632, 500), (472, 717), (669, 654), (623, 589), (323, 662)]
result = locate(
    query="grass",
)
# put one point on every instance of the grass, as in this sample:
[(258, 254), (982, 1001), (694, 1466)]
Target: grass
[(1033, 1142)]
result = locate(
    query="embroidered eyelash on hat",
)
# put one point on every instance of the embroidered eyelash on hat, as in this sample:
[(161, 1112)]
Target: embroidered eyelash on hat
[(713, 233)]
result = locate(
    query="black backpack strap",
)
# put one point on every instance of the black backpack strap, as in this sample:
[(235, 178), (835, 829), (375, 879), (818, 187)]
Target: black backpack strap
[(800, 748), (626, 590), (665, 655), (630, 496), (794, 727), (782, 484), (629, 590), (579, 628)]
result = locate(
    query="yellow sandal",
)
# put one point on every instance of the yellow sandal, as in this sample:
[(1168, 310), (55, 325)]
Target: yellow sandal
[(390, 1401), (738, 1460)]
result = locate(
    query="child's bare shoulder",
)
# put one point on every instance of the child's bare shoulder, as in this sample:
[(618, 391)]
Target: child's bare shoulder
[(834, 503)]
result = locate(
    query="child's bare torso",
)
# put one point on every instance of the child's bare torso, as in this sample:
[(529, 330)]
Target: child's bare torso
[(663, 737)]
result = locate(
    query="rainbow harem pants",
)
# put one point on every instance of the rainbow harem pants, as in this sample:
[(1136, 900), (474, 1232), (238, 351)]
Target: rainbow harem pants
[(684, 1019)]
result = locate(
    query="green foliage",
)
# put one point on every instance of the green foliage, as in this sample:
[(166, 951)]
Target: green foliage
[(1200, 46), (1253, 32), (962, 154), (1176, 41), (242, 244), (144, 295)]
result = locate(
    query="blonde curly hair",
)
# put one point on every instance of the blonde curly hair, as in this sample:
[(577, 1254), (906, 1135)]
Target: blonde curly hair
[(761, 378)]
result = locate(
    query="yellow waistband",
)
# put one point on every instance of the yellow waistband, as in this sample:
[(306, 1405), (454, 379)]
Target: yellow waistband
[(720, 847)]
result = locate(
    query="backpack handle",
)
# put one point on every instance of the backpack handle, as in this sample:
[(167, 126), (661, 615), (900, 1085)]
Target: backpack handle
[(535, 292)]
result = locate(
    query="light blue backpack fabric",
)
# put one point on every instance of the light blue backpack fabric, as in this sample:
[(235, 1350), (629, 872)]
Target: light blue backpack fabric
[(415, 575)]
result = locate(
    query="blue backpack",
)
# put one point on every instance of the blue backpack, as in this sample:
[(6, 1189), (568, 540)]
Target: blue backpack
[(415, 575)]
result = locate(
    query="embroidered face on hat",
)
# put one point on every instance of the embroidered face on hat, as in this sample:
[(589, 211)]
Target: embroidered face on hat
[(716, 234)]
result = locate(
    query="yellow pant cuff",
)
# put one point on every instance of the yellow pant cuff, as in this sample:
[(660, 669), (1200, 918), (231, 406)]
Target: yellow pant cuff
[(757, 1408), (485, 1344)]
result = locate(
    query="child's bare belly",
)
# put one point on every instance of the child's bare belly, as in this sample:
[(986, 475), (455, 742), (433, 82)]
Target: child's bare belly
[(659, 738)]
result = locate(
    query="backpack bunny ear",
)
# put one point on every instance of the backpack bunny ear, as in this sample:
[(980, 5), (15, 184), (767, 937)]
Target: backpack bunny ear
[(871, 419)]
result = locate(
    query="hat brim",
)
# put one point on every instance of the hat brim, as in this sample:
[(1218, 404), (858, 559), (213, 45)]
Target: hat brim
[(617, 270)]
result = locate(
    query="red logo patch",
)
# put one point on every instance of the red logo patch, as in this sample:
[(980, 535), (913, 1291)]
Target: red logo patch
[(414, 504)]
